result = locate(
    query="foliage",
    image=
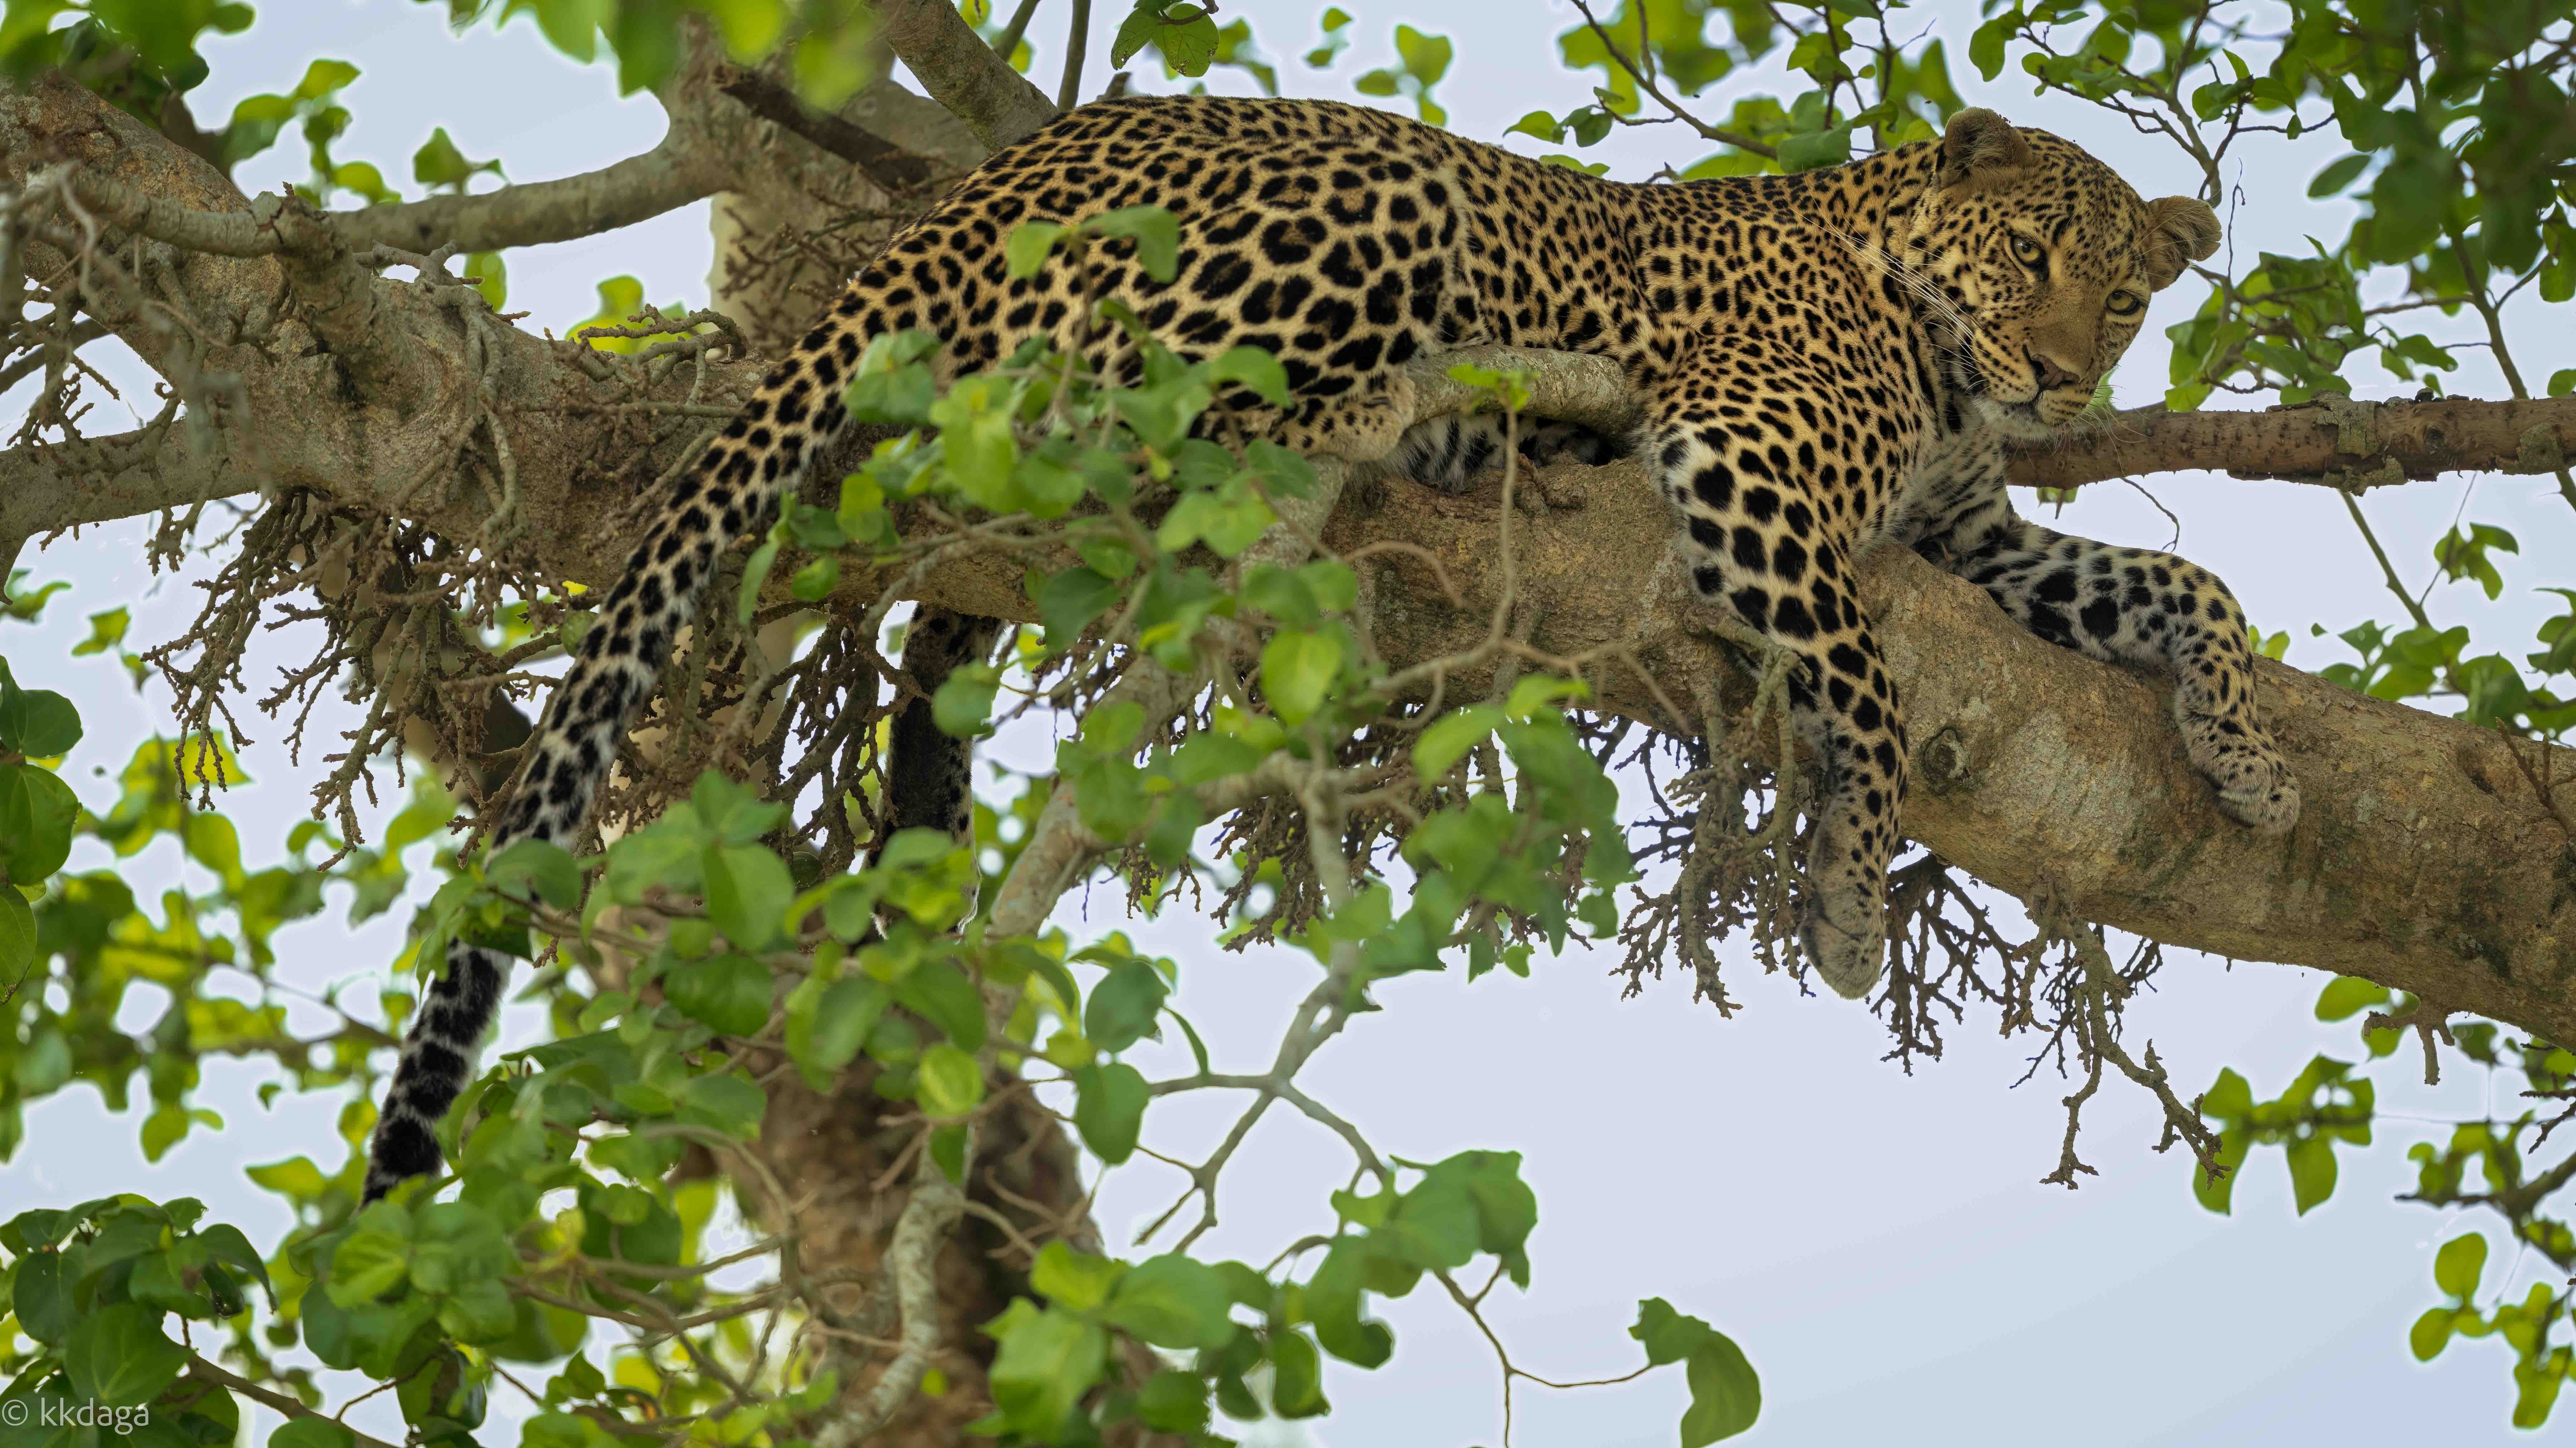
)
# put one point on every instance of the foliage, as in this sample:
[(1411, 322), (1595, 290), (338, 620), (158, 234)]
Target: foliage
[(1232, 730), (560, 1209)]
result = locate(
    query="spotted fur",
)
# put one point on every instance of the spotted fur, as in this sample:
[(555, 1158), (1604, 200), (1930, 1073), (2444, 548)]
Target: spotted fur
[(1831, 361)]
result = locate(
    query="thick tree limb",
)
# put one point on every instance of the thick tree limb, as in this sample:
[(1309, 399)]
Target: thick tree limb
[(102, 479), (961, 72), (2424, 859), (53, 120), (2335, 441)]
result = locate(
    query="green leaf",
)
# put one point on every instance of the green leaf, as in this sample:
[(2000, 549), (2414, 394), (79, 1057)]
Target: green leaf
[(119, 1355), (2460, 1263), (1296, 1375), (39, 723), (1109, 1109), (1447, 739), (311, 1433), (1069, 601), (439, 163), (1257, 371), (1669, 1336), (730, 993), (2312, 1171), (755, 574), (1188, 46), (1031, 244), (1815, 150), (162, 1130), (537, 869), (815, 581), (943, 996), (949, 1082), (1426, 57), (1122, 1008), (17, 934), (226, 1244), (1172, 1301), (2229, 1097), (2431, 1333), (2349, 995), (1173, 1401), (36, 1229), (491, 277), (1076, 1281), (1986, 46), (37, 812), (1333, 1298), (1134, 33), (964, 702), (1157, 234), (849, 1011), (1298, 670), (366, 1266), (1048, 1360), (1726, 1395), (646, 35), (2340, 174), (323, 77), (106, 631), (748, 892), (40, 1290)]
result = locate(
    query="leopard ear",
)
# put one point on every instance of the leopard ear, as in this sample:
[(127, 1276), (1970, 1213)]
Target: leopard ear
[(1981, 146), (2180, 230)]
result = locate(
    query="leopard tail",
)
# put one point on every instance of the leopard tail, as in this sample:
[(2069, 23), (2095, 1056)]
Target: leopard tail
[(732, 490)]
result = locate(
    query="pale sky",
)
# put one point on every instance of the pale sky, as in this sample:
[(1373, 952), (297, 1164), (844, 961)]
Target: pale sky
[(1878, 1244)]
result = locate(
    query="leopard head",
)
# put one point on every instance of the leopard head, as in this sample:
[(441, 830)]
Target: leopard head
[(2034, 263)]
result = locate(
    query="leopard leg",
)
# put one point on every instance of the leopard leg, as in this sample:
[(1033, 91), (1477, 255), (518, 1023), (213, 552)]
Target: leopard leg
[(1761, 549), (2141, 607), (1449, 452)]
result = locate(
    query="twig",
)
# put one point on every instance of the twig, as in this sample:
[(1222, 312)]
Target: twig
[(1646, 83), (269, 1398), (2427, 1018), (1077, 39), (887, 164)]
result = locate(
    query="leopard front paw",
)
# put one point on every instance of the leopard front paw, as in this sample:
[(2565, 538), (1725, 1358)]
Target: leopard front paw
[(2264, 799), (1844, 936), (2254, 783)]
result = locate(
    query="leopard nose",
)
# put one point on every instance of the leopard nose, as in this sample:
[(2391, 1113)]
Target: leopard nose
[(2050, 373)]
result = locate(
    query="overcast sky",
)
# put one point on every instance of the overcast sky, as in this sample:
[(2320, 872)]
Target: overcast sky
[(1879, 1244)]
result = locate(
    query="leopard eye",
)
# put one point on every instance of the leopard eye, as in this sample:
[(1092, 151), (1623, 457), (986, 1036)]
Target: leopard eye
[(2025, 250), (2125, 304)]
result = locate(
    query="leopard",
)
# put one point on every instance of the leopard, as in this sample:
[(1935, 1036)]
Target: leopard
[(1830, 361)]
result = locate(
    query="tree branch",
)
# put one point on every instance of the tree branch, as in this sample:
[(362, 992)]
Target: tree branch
[(961, 72), (101, 479), (666, 178), (2334, 441), (887, 164)]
